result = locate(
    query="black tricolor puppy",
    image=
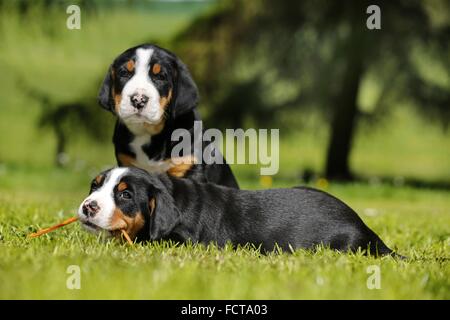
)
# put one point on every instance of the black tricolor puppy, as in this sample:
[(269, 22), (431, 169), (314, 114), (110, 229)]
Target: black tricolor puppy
[(152, 93), (157, 206)]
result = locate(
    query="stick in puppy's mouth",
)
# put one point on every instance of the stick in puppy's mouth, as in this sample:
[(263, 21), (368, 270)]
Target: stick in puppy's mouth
[(50, 229), (69, 221)]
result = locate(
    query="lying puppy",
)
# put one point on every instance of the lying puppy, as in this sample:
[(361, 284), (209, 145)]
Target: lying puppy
[(152, 93), (153, 207)]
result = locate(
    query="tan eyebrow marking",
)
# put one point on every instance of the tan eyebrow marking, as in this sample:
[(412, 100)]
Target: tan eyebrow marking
[(98, 179), (122, 186), (130, 65), (156, 68)]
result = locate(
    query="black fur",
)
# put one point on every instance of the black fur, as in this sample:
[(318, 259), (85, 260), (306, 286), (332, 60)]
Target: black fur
[(290, 218)]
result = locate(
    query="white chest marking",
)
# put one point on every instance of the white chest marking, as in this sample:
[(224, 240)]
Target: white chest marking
[(142, 160)]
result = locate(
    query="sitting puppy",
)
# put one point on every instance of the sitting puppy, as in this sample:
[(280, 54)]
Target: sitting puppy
[(153, 207), (152, 94)]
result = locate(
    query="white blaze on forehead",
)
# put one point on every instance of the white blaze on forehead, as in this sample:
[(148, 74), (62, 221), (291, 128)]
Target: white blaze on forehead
[(105, 199), (143, 57), (140, 83)]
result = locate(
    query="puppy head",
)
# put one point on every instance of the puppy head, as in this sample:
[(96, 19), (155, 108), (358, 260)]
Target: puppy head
[(144, 85), (115, 202), (128, 199)]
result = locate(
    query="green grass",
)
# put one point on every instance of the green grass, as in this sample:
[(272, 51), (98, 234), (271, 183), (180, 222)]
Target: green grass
[(414, 222), (34, 194)]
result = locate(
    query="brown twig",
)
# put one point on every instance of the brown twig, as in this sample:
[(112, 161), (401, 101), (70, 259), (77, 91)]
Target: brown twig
[(47, 230), (125, 234), (66, 222)]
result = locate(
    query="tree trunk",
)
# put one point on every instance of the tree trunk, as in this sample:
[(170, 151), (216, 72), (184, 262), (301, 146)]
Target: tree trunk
[(345, 106), (343, 126), (60, 146)]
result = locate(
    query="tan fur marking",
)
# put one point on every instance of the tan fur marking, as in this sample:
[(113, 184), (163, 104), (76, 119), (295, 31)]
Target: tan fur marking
[(118, 221), (156, 68), (131, 225), (98, 179), (152, 205), (130, 65), (117, 100), (126, 160), (181, 165), (122, 186), (164, 101), (116, 96)]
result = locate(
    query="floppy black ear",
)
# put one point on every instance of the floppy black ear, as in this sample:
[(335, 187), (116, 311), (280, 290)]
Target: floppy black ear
[(164, 215), (104, 97), (187, 95)]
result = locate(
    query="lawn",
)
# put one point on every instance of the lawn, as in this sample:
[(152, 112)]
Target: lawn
[(33, 193), (414, 222)]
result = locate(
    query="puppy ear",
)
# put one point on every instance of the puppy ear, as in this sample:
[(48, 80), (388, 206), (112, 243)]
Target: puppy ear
[(187, 95), (104, 97), (164, 215)]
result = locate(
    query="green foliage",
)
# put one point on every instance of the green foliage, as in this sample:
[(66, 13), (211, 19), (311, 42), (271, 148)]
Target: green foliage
[(311, 45), (319, 55), (56, 72)]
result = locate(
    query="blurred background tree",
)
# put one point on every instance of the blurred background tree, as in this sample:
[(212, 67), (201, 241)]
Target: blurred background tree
[(342, 95), (324, 53), (73, 118)]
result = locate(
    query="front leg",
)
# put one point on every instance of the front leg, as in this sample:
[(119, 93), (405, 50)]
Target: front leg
[(181, 165)]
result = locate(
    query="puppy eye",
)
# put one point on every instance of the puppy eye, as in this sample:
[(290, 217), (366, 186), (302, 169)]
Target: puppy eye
[(123, 72), (94, 185), (125, 195), (159, 76)]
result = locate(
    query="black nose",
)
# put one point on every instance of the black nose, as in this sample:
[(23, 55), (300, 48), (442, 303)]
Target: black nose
[(90, 208), (138, 100)]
